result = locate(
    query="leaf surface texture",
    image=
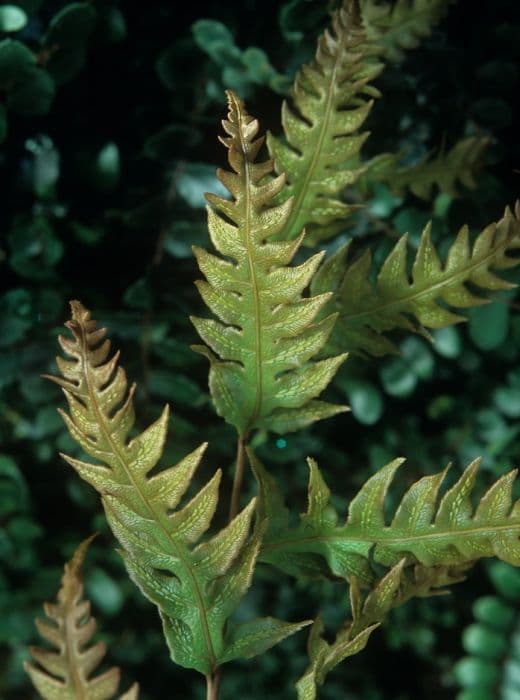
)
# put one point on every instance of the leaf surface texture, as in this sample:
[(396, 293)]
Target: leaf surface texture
[(425, 530), (195, 584), (261, 348), (329, 103)]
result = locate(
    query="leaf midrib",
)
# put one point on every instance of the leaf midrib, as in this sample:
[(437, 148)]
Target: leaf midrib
[(157, 516), (382, 538), (258, 351), (80, 692), (301, 194)]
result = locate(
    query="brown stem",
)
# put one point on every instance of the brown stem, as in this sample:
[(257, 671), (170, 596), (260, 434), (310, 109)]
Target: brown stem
[(212, 685), (239, 477)]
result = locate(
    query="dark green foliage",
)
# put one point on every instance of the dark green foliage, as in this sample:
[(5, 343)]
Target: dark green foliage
[(118, 166), (491, 642)]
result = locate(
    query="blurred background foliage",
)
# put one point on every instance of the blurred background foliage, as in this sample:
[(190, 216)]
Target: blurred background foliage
[(109, 113)]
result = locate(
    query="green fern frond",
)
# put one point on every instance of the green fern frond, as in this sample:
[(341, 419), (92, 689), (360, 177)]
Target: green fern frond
[(460, 164), (321, 126), (65, 674), (196, 585), (395, 588), (260, 352), (452, 533), (369, 310), (400, 26), (353, 636)]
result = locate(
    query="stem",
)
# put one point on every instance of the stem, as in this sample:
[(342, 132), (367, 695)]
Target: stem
[(212, 685), (239, 477)]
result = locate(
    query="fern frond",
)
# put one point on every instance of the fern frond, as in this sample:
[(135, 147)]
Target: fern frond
[(260, 351), (369, 310), (321, 125), (460, 164), (452, 533), (400, 26), (196, 585), (66, 674), (394, 589)]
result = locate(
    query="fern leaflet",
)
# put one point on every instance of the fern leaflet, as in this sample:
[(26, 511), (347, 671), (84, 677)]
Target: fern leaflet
[(195, 588), (460, 163), (451, 533), (66, 673), (395, 588), (368, 311), (400, 26), (260, 350), (321, 125)]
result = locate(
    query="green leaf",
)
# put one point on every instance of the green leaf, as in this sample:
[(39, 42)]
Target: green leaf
[(105, 592), (15, 316), (365, 400), (32, 93), (488, 326), (400, 26), (353, 636), (12, 18), (396, 587), (261, 349), (15, 57), (321, 125), (35, 249), (256, 637), (193, 180), (452, 533), (108, 166), (461, 163), (195, 584), (29, 89), (368, 310), (240, 69), (66, 40)]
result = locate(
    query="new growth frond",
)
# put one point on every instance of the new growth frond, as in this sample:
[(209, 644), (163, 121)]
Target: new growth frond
[(262, 373)]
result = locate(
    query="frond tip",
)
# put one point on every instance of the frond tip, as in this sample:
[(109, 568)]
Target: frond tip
[(328, 106), (262, 373), (65, 674)]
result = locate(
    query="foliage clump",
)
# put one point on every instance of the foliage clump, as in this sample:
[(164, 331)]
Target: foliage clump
[(281, 323)]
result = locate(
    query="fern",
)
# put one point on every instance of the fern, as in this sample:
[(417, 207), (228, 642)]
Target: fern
[(67, 672), (260, 350), (448, 534), (195, 588), (321, 123), (400, 26), (394, 589), (444, 171), (368, 311)]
